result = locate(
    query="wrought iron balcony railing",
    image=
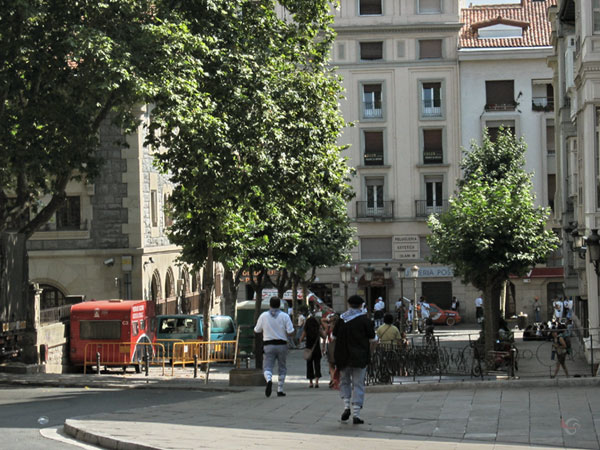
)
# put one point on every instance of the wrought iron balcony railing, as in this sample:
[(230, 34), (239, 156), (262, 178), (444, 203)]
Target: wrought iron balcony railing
[(383, 210), (423, 209)]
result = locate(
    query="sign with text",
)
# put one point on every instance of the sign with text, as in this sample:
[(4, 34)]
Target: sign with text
[(406, 247)]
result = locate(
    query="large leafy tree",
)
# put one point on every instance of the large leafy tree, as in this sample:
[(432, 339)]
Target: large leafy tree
[(66, 67), (492, 228), (253, 150)]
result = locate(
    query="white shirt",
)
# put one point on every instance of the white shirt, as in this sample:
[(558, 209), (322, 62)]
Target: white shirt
[(379, 306), (424, 310), (274, 328), (301, 320), (478, 302), (398, 304)]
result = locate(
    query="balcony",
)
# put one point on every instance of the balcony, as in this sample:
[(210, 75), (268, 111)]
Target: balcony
[(542, 104), (501, 106), (372, 110), (425, 210), (384, 211), (430, 110)]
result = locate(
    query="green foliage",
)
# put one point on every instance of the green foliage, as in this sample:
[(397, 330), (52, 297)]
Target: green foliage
[(253, 148), (65, 67), (492, 228)]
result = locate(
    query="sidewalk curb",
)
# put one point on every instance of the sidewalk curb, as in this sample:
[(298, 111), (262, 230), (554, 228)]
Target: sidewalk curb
[(102, 440)]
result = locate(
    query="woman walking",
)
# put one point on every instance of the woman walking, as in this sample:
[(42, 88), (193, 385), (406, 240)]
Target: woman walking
[(312, 332), (559, 347)]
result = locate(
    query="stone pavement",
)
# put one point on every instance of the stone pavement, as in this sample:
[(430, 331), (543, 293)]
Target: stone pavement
[(456, 413)]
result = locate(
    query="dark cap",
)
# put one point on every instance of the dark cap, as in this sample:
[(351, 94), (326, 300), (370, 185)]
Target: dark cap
[(356, 301)]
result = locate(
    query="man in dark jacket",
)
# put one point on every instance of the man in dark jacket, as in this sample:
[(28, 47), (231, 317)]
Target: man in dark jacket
[(353, 335)]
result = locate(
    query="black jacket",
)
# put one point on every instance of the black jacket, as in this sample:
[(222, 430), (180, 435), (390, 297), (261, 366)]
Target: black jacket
[(352, 342)]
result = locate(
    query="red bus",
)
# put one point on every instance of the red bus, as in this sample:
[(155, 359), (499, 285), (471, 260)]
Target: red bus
[(117, 329)]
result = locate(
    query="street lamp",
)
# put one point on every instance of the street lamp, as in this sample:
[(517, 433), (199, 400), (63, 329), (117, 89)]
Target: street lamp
[(387, 272), (369, 272), (414, 274), (345, 273), (593, 249), (401, 274)]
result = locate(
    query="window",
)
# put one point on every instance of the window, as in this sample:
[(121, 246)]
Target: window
[(372, 101), (374, 197), (551, 189), (154, 208), (68, 215), (542, 98), (429, 6), (168, 219), (550, 138), (430, 49), (500, 95), (494, 126), (433, 149), (100, 329), (370, 51), (596, 15), (51, 297), (373, 142), (369, 7), (434, 195), (376, 248), (431, 96)]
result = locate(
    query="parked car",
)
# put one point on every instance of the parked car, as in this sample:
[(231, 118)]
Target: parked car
[(439, 315)]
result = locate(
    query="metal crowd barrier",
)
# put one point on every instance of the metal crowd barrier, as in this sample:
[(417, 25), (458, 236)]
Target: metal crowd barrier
[(202, 352), (121, 354)]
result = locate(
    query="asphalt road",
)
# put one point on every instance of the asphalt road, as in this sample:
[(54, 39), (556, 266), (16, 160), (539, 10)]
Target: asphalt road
[(26, 411)]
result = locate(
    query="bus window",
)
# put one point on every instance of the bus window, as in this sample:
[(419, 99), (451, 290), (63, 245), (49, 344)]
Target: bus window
[(135, 328), (221, 325), (100, 329)]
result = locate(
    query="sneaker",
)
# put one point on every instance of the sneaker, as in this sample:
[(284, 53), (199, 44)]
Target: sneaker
[(269, 388), (357, 421), (345, 415), (281, 394)]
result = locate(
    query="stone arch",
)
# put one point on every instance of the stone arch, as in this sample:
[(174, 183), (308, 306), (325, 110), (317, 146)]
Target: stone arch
[(155, 287), (53, 293), (169, 283)]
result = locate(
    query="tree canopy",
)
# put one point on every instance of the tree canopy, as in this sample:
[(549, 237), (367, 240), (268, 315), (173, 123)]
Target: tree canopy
[(66, 66), (492, 228), (253, 151)]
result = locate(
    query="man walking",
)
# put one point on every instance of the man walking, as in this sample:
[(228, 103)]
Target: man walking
[(479, 309), (353, 335), (276, 326), (378, 312)]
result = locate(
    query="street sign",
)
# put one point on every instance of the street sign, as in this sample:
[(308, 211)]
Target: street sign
[(407, 247)]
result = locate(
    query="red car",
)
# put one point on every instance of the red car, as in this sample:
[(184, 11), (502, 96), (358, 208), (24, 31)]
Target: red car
[(443, 316), (438, 315)]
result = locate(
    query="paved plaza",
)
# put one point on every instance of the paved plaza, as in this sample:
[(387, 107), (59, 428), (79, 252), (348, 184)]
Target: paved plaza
[(534, 411)]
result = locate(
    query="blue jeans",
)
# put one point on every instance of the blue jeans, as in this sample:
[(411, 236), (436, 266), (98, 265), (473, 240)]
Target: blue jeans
[(352, 384), (272, 353)]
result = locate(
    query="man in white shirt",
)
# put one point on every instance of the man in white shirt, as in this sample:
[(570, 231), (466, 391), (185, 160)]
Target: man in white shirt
[(276, 326), (379, 310), (479, 309)]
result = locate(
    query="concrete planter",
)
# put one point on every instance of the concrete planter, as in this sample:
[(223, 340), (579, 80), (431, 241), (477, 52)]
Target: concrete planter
[(246, 377)]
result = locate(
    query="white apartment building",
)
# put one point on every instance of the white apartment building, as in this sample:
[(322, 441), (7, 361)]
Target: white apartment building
[(399, 65), (505, 81), (576, 64)]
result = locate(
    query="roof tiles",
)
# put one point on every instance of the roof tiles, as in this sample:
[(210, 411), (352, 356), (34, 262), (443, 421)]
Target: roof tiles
[(531, 15)]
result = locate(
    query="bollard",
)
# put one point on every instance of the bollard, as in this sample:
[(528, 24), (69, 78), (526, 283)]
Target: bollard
[(438, 359), (146, 360), (195, 365), (98, 363)]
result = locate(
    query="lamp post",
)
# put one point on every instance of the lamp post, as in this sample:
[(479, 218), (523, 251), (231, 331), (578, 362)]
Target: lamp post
[(414, 274), (593, 249), (401, 274), (345, 273), (368, 277)]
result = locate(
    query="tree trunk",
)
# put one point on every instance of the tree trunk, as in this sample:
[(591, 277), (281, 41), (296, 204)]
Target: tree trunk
[(491, 309), (14, 280), (230, 288), (258, 284)]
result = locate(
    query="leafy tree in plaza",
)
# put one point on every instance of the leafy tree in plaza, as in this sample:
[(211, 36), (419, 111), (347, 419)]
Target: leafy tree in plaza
[(253, 150), (66, 68), (492, 228)]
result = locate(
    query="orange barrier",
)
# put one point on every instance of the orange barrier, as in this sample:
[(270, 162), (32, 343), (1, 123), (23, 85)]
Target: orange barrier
[(168, 346), (122, 354), (206, 352)]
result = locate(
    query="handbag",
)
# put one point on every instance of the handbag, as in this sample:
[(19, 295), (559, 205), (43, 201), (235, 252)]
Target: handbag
[(307, 353)]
